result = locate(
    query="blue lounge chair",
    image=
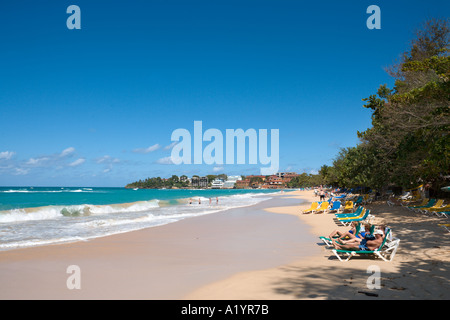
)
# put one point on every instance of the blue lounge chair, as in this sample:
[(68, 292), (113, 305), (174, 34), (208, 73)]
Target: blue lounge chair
[(358, 200), (335, 207), (365, 215), (350, 214)]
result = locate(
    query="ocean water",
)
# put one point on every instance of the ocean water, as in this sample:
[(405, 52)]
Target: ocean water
[(33, 216)]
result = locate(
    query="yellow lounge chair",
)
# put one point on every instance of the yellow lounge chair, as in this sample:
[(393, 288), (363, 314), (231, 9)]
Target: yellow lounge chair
[(314, 206), (439, 203), (323, 206), (415, 198), (344, 217), (348, 206), (424, 203), (436, 209)]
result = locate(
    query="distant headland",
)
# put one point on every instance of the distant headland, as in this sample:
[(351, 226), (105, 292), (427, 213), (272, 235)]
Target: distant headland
[(279, 180)]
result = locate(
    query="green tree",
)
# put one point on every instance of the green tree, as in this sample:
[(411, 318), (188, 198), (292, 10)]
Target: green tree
[(409, 141)]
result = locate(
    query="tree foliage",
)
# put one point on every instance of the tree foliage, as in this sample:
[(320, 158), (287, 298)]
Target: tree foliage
[(305, 180), (158, 182), (409, 140)]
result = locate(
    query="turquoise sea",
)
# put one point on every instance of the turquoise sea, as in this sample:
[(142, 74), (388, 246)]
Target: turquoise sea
[(31, 216)]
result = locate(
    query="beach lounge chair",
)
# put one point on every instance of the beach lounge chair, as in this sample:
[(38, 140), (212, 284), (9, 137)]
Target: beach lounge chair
[(323, 206), (365, 215), (365, 199), (429, 204), (386, 251), (434, 209), (328, 242), (446, 226), (346, 218), (349, 206), (437, 204), (335, 207), (444, 214), (358, 201), (350, 214), (390, 202), (314, 206), (358, 233), (409, 201), (405, 195), (423, 203)]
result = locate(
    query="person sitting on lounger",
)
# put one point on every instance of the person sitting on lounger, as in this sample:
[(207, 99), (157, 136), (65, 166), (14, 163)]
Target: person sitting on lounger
[(350, 234), (369, 243)]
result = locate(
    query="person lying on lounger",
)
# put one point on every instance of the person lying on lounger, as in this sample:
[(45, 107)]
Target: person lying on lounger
[(350, 234), (369, 243), (347, 234)]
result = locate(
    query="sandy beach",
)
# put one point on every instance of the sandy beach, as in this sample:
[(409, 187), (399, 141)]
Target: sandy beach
[(419, 270), (268, 251)]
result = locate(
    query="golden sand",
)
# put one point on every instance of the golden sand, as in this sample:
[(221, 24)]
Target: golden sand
[(419, 270)]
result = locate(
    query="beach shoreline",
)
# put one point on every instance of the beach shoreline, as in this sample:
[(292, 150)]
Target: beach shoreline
[(267, 251), (163, 262), (45, 216)]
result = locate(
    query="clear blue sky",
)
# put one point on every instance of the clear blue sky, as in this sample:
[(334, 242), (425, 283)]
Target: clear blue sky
[(97, 106)]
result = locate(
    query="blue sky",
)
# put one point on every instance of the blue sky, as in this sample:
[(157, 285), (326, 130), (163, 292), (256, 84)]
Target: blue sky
[(97, 106)]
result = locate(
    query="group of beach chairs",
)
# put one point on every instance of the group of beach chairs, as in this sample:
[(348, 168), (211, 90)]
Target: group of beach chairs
[(350, 210), (338, 204), (425, 206), (430, 207)]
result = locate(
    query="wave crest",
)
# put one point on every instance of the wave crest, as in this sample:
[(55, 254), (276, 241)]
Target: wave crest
[(54, 212)]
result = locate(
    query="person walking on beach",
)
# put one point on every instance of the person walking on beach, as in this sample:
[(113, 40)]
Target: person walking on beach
[(322, 195)]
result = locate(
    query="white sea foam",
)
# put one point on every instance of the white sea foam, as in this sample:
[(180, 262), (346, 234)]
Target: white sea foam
[(17, 215), (46, 191), (56, 224), (53, 212), (133, 207)]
